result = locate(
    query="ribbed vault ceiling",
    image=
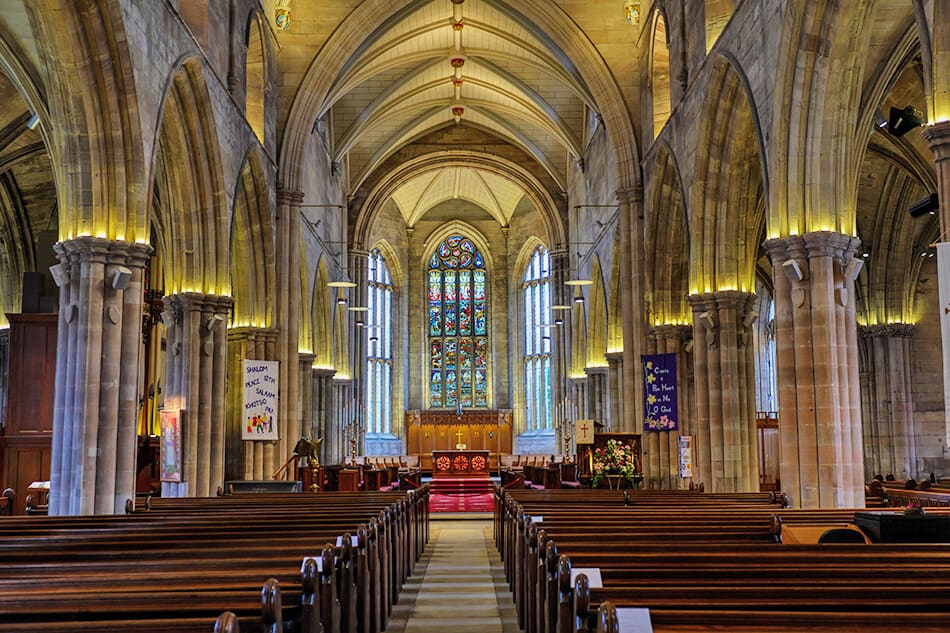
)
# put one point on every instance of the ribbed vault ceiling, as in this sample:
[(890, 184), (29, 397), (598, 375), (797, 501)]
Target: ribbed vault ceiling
[(475, 64)]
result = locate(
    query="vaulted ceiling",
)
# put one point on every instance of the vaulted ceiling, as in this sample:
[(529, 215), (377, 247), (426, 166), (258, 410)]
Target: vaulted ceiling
[(476, 64)]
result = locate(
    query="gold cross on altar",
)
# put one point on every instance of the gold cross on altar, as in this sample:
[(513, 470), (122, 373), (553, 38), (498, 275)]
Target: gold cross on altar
[(459, 435)]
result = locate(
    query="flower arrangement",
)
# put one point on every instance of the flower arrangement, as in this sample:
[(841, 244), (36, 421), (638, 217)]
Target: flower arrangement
[(616, 458)]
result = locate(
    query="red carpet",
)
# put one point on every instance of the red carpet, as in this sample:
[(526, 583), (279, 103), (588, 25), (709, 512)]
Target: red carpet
[(461, 494)]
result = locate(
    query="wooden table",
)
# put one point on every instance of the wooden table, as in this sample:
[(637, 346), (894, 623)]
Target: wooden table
[(459, 463)]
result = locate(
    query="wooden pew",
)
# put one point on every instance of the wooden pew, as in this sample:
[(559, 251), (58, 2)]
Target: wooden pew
[(712, 578), (97, 555)]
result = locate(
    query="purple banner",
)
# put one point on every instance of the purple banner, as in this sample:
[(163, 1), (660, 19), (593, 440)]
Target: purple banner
[(659, 392)]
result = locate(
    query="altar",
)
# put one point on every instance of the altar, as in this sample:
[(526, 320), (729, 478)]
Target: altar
[(460, 463), (429, 430)]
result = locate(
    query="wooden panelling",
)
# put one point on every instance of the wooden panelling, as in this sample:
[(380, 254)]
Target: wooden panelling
[(29, 432)]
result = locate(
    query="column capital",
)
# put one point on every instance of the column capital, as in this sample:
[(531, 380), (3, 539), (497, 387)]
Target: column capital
[(888, 330), (720, 300), (670, 332), (814, 244), (289, 197), (323, 372), (198, 301), (938, 137), (613, 358), (595, 371), (630, 195), (246, 333), (306, 357)]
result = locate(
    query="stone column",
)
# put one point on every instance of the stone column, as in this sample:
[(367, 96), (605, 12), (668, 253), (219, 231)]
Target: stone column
[(726, 455), (322, 387), (889, 433), (578, 398), (560, 339), (938, 136), (342, 427), (99, 341), (288, 319), (661, 448), (631, 302), (817, 364), (615, 390), (597, 393), (308, 415), (358, 259), (247, 459), (195, 381)]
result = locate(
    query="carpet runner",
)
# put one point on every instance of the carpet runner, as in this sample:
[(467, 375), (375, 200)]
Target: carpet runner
[(461, 494)]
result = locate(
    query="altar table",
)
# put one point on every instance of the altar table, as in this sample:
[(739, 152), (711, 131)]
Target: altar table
[(458, 463)]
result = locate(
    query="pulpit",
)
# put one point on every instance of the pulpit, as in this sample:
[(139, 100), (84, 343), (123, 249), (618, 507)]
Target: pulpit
[(487, 430)]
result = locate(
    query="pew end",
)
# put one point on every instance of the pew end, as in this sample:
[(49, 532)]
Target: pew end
[(607, 618), (227, 622)]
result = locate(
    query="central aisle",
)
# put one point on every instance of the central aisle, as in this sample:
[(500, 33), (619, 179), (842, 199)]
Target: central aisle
[(459, 585)]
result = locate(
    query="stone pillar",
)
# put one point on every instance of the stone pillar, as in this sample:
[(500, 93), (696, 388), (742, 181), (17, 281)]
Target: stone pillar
[(358, 259), (343, 426), (578, 398), (195, 382), (288, 319), (99, 341), (614, 390), (561, 340), (724, 365), (888, 424), (817, 364), (597, 393), (661, 448), (938, 136), (308, 415), (322, 387), (247, 459), (631, 302)]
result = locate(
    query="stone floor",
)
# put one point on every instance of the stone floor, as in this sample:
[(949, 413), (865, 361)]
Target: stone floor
[(459, 585)]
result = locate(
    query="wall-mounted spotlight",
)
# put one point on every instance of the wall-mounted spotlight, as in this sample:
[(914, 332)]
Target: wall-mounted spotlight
[(168, 319), (121, 278), (60, 274), (707, 319), (793, 270), (853, 268), (900, 122), (578, 298), (33, 121), (341, 300), (213, 322)]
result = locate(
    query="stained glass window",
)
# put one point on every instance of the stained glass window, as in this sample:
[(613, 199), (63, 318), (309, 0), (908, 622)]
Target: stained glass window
[(458, 325), (537, 355), (379, 351)]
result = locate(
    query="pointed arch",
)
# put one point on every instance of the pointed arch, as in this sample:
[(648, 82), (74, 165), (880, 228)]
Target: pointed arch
[(544, 19), (727, 197), (596, 318), (252, 247), (660, 71), (667, 274), (188, 178), (255, 74), (321, 319), (93, 122), (816, 102), (716, 14)]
